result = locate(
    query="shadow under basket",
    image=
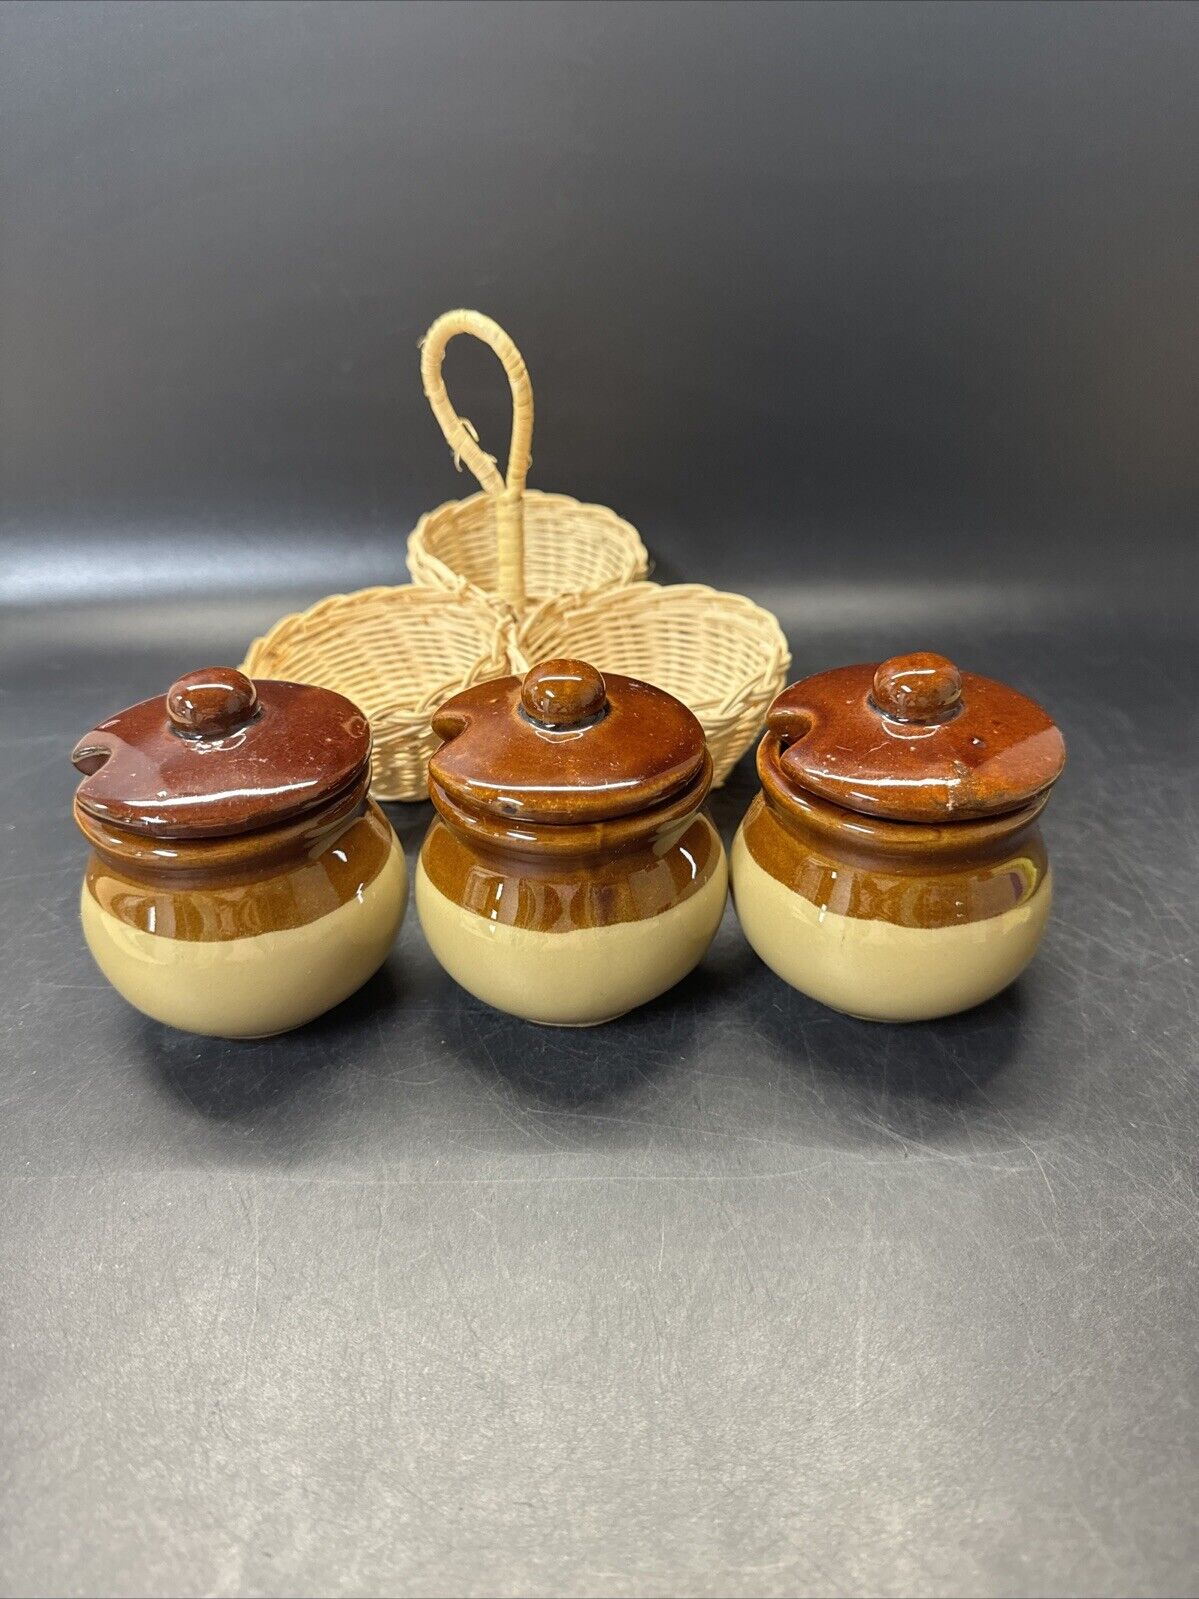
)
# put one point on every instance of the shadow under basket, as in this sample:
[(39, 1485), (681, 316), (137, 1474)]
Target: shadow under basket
[(397, 653), (722, 655)]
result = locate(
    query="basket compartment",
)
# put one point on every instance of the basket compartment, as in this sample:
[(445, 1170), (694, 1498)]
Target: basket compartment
[(569, 547), (722, 655), (397, 653)]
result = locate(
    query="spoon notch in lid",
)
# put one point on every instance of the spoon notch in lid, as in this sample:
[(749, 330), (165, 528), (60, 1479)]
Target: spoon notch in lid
[(220, 754), (914, 740)]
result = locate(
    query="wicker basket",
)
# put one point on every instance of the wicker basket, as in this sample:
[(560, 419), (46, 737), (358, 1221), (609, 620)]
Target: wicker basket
[(398, 653), (511, 545), (722, 655)]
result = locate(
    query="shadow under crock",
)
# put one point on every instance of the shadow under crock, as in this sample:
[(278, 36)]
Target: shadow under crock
[(231, 1079), (577, 1067), (937, 1081)]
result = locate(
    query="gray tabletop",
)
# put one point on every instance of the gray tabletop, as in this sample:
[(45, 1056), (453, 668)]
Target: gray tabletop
[(732, 1296)]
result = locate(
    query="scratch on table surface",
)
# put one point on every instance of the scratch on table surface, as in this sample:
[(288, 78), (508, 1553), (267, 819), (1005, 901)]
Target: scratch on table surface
[(380, 1318), (735, 1230), (1014, 1130), (547, 1179), (253, 1327), (55, 869), (489, 1222), (861, 1299), (1092, 1532), (456, 1297)]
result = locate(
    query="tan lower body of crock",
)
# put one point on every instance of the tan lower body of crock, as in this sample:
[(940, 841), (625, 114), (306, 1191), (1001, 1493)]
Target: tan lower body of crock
[(877, 970), (255, 986), (576, 978)]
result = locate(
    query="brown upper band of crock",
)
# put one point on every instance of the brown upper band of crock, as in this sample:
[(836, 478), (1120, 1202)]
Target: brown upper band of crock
[(241, 857), (873, 840), (548, 894), (219, 907), (946, 891), (582, 840)]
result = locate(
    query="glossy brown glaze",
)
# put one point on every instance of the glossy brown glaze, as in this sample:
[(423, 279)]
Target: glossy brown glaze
[(630, 751), (212, 702), (569, 801), (301, 874), (588, 840), (550, 894), (227, 808), (237, 857), (913, 740), (876, 870), (913, 874), (563, 693), (917, 688), (219, 756)]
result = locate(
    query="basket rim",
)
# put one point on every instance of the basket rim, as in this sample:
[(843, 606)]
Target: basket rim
[(739, 608), (438, 573), (752, 620), (647, 590), (495, 637), (531, 496)]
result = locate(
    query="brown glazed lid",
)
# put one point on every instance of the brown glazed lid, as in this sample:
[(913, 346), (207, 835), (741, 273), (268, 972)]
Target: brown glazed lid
[(220, 755), (564, 746), (915, 740)]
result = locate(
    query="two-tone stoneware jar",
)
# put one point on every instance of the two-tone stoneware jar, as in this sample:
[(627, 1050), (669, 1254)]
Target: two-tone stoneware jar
[(892, 865), (569, 874), (241, 881)]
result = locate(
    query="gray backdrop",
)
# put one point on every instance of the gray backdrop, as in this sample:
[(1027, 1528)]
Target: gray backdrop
[(837, 292)]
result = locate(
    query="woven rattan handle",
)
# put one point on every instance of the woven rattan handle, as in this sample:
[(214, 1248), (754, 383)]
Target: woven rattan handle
[(464, 441)]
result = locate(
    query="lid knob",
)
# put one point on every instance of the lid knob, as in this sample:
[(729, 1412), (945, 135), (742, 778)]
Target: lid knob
[(563, 693), (211, 701), (917, 688)]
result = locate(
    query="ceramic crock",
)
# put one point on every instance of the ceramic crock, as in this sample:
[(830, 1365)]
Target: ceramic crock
[(892, 865), (569, 874), (241, 881)]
